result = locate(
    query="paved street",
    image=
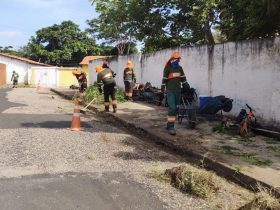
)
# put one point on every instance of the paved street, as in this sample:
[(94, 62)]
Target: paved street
[(45, 166)]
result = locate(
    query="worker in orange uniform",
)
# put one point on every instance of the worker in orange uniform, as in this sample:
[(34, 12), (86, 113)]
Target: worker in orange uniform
[(129, 79), (105, 77), (82, 79), (173, 78)]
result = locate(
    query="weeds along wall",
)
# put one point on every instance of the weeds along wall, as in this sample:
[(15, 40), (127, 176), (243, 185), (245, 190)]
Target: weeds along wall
[(246, 71)]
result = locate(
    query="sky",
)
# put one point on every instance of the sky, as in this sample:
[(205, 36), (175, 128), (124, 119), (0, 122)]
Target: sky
[(20, 19)]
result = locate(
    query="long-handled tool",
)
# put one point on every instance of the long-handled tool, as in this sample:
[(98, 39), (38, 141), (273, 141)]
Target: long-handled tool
[(84, 109)]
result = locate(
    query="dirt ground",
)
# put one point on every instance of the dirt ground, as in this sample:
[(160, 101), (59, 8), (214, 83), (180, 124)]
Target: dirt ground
[(256, 156)]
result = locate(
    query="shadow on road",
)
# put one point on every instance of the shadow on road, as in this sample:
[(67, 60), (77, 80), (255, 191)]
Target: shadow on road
[(52, 124), (4, 103)]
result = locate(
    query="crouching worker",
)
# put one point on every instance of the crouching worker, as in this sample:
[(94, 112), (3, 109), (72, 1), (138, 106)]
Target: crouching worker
[(173, 78), (82, 79), (105, 76), (129, 80)]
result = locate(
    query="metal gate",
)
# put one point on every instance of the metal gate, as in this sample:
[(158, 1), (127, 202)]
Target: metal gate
[(45, 76), (2, 74)]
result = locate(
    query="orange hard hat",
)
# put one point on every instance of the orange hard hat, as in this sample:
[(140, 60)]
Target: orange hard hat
[(98, 69), (129, 64), (76, 71), (175, 55)]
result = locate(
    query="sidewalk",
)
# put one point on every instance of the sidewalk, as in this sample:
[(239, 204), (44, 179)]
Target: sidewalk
[(244, 161)]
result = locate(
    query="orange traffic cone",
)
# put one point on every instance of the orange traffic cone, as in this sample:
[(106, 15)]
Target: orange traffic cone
[(76, 121)]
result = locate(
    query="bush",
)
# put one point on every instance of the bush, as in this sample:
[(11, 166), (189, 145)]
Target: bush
[(92, 92)]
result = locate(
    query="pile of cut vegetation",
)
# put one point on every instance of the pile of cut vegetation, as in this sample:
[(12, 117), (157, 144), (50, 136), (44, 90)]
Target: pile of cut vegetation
[(264, 200), (194, 181), (207, 185)]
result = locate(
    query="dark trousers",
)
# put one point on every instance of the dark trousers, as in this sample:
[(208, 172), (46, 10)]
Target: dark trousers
[(173, 100), (83, 86), (128, 88), (109, 90)]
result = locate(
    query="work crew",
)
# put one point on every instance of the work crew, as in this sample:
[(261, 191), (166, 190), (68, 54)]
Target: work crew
[(82, 79), (173, 79), (14, 78), (129, 79), (106, 76)]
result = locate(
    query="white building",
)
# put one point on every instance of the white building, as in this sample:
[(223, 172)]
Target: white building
[(10, 63)]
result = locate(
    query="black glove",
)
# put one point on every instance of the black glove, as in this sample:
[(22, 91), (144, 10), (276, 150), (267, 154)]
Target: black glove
[(186, 87), (100, 90), (114, 75), (134, 80)]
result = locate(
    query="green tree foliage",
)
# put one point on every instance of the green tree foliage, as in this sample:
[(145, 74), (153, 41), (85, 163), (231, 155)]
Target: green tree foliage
[(114, 24), (10, 50), (158, 23), (161, 24), (63, 44), (246, 19)]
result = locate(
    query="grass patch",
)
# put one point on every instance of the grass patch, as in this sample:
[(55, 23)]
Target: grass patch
[(243, 141), (220, 129), (237, 168), (198, 182), (276, 149), (226, 149), (91, 157), (253, 159), (270, 140), (92, 92)]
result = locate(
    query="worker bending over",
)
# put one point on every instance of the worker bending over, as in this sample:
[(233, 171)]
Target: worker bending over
[(82, 79), (173, 78), (106, 76)]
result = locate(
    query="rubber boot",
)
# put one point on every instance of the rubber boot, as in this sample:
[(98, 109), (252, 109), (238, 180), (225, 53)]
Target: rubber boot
[(172, 131), (106, 109), (114, 108)]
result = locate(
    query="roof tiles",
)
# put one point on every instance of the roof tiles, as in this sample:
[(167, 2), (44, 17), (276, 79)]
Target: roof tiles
[(23, 59), (86, 59)]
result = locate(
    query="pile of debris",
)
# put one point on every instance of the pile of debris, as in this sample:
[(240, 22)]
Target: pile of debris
[(147, 93)]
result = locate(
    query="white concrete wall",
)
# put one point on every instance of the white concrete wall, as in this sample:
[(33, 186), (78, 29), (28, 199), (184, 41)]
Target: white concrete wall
[(117, 64), (21, 67), (247, 71)]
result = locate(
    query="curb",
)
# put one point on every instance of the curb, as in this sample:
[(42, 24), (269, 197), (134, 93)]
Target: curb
[(68, 97), (195, 158)]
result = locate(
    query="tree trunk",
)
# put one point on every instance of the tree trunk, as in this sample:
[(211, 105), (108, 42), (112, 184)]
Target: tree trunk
[(121, 48), (128, 48), (208, 33)]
